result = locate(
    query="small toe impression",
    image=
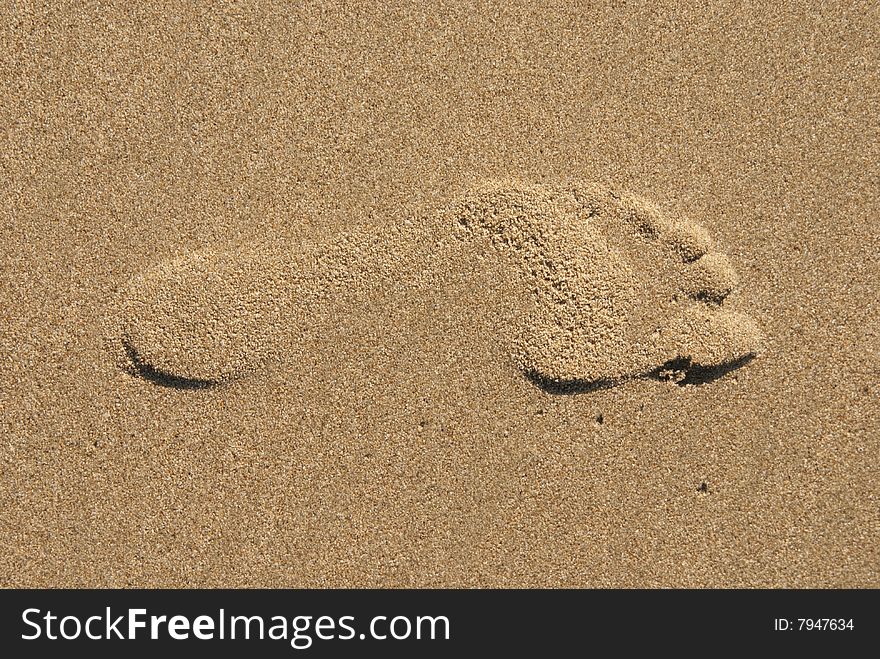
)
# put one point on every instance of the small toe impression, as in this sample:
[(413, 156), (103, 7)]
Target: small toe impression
[(688, 239), (712, 278), (645, 215)]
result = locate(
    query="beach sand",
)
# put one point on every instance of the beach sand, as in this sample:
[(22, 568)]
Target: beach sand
[(515, 295)]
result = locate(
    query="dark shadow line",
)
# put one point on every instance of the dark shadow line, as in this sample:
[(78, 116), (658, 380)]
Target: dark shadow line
[(568, 387), (695, 374), (139, 368)]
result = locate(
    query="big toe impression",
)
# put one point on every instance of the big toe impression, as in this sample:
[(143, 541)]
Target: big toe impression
[(712, 336)]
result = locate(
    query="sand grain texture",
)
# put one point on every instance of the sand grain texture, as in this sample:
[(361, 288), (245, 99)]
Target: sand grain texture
[(439, 295)]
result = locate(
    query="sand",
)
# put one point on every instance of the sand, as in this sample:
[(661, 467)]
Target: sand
[(499, 295)]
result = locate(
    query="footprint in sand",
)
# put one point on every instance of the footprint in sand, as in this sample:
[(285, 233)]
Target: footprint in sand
[(618, 291)]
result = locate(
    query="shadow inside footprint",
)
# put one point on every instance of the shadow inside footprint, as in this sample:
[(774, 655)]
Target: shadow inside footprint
[(690, 373), (681, 370), (568, 387), (139, 368)]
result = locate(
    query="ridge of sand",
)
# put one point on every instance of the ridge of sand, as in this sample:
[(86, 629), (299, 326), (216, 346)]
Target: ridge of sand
[(618, 291)]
